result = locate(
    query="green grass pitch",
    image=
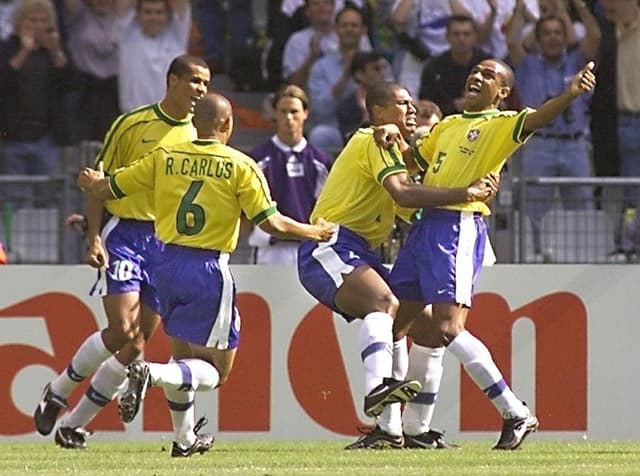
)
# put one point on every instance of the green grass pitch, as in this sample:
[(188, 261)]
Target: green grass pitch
[(322, 458)]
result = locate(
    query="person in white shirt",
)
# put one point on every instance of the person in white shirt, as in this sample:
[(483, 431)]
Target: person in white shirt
[(153, 32)]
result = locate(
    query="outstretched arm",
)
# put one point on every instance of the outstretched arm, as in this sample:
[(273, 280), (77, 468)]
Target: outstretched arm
[(584, 81), (287, 228)]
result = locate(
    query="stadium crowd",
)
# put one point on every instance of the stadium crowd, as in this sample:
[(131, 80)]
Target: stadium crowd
[(65, 74)]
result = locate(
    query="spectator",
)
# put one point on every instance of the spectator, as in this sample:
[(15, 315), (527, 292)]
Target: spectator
[(305, 46), (285, 18), (367, 69), (295, 170), (421, 28), (227, 30), (492, 17), (7, 7), (604, 110), (93, 35), (34, 72), (330, 80), (443, 78), (561, 148), (559, 8), (154, 32), (427, 115), (626, 18)]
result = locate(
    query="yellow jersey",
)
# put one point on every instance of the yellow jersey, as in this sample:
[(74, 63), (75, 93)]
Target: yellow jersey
[(200, 189), (465, 147), (353, 195), (132, 135)]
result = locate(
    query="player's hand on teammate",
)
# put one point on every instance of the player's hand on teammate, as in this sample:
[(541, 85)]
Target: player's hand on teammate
[(88, 176), (389, 135), (483, 189), (584, 81), (324, 229)]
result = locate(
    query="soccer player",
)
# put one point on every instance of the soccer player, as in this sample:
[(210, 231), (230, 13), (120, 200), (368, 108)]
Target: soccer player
[(296, 172), (200, 189), (346, 274), (121, 249), (443, 255)]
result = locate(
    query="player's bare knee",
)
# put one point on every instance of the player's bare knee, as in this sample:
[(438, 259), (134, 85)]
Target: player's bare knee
[(449, 331), (388, 304), (138, 342), (122, 333)]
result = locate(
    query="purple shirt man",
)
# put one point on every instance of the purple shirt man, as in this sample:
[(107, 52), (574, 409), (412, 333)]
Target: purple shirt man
[(296, 172)]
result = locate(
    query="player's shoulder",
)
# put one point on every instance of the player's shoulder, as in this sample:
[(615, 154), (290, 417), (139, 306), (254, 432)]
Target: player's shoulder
[(138, 114), (133, 118), (360, 136), (238, 156), (487, 115)]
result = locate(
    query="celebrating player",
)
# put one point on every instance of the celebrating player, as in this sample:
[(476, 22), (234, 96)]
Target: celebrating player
[(443, 255), (200, 189), (121, 249), (364, 186)]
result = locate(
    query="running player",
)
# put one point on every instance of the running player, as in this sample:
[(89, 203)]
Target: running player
[(120, 249), (200, 190)]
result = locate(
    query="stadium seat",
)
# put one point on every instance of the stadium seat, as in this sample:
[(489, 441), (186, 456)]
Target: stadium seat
[(529, 253), (577, 236), (35, 235)]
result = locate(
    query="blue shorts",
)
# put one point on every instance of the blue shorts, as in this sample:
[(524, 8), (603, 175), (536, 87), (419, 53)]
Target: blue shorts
[(197, 296), (321, 265), (441, 258), (130, 246)]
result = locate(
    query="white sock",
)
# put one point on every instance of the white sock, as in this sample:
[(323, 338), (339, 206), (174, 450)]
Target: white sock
[(376, 341), (390, 419), (107, 382), (89, 356), (425, 366), (181, 406), (479, 365), (400, 359), (185, 375)]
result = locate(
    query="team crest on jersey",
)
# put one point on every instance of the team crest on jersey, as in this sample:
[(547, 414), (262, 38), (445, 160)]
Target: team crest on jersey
[(473, 134)]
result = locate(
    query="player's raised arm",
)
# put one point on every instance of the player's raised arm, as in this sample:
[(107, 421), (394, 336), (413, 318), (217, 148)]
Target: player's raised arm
[(584, 81)]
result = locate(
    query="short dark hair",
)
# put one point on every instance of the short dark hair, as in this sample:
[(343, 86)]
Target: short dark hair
[(306, 2), (182, 64), (380, 94), (363, 58), (508, 78), (350, 7), (427, 108), (460, 19), (548, 18), (166, 4)]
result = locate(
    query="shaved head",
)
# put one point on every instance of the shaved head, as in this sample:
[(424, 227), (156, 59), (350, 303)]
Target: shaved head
[(212, 116), (213, 108)]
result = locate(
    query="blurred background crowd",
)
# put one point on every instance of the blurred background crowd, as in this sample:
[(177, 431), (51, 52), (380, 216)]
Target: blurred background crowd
[(68, 68)]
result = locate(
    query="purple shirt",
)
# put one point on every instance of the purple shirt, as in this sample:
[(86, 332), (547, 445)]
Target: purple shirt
[(295, 174)]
